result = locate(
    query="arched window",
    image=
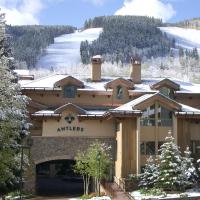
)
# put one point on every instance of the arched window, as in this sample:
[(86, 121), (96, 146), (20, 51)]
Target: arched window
[(119, 92), (167, 92)]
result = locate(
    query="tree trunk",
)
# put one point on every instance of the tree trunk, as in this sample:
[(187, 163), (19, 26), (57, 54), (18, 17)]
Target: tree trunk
[(84, 185), (87, 184)]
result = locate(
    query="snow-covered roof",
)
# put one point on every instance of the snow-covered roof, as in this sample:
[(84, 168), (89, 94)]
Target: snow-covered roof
[(97, 57), (129, 106), (22, 72), (145, 86), (189, 109), (45, 82)]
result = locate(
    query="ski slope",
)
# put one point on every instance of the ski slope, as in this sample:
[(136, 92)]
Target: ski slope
[(65, 51), (187, 38)]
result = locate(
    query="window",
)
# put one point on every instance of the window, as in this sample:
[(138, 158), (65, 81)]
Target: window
[(148, 116), (117, 126), (159, 145), (150, 148), (142, 148), (147, 148), (119, 92), (195, 146), (167, 92), (69, 91), (164, 116)]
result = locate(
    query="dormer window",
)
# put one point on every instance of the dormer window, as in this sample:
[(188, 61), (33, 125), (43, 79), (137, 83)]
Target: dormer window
[(119, 92), (167, 92), (69, 91)]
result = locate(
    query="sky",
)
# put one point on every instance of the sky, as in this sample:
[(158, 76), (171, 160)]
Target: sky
[(75, 12)]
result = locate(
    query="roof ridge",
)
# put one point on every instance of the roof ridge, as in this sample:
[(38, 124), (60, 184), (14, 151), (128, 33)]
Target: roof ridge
[(39, 79)]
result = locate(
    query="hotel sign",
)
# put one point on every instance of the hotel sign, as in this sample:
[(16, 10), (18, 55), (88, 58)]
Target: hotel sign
[(69, 119), (70, 128)]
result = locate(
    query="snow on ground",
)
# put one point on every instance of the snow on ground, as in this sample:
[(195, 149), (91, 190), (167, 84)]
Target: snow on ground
[(190, 193), (187, 38), (65, 52), (95, 198)]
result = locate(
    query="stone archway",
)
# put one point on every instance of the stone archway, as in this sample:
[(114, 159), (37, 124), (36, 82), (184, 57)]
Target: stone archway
[(46, 149), (57, 177)]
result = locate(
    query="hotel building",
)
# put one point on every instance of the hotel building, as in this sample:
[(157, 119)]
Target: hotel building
[(132, 115)]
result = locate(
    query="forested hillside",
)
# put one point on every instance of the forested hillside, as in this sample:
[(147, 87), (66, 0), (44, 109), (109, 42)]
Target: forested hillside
[(192, 23), (29, 42), (126, 36)]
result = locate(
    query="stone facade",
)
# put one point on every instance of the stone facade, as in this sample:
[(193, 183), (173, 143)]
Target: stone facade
[(57, 148)]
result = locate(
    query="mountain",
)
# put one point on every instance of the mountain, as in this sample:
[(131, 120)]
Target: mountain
[(29, 42), (185, 37), (126, 36), (190, 23), (65, 51)]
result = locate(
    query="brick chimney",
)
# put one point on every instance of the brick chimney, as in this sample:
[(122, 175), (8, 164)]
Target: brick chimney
[(96, 68), (136, 70)]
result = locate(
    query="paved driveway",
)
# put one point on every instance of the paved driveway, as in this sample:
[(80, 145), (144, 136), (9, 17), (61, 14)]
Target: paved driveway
[(55, 198)]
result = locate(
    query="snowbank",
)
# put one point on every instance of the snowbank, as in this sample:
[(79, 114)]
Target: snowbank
[(187, 38), (189, 193)]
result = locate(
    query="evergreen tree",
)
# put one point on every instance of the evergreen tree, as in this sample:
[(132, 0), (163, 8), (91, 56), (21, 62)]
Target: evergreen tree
[(170, 169), (150, 175), (13, 125), (125, 36), (189, 172)]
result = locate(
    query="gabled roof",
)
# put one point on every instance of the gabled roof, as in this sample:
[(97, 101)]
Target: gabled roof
[(119, 81), (188, 112), (149, 99), (70, 106), (36, 105), (69, 80), (166, 83)]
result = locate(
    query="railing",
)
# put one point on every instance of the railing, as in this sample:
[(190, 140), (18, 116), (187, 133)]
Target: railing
[(152, 122), (164, 122), (147, 122), (108, 188)]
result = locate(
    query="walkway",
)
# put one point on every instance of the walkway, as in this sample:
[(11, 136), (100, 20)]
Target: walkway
[(116, 193)]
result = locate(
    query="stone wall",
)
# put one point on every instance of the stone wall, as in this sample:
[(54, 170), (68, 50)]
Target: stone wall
[(57, 148)]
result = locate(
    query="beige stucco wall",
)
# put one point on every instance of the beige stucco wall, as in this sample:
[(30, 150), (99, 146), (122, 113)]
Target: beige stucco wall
[(189, 99), (126, 149), (87, 128), (187, 130), (118, 162)]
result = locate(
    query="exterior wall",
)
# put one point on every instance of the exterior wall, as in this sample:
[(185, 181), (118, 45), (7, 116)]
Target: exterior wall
[(56, 99), (187, 130), (126, 162), (136, 72), (56, 148), (96, 71), (151, 133), (189, 99), (86, 128), (118, 162)]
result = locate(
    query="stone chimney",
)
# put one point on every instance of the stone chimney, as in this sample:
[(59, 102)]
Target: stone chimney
[(96, 68), (136, 70)]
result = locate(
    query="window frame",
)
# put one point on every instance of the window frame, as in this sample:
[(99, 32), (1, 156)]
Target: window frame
[(66, 94), (119, 92)]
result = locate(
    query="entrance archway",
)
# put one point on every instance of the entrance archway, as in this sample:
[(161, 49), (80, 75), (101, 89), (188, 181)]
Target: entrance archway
[(56, 177)]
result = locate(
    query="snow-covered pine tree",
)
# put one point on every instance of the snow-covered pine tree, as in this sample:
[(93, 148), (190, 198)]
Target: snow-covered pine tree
[(150, 174), (13, 115), (170, 161), (189, 172)]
